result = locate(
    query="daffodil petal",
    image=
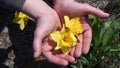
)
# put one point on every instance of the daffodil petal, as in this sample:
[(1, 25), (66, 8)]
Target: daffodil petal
[(64, 43), (58, 46), (77, 24), (21, 15), (16, 20), (20, 21), (73, 24), (67, 20), (74, 39), (56, 36), (63, 29), (22, 25), (66, 50), (75, 19)]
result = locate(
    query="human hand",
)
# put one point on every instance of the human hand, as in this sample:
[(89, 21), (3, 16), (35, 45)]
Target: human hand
[(74, 9), (56, 57), (46, 19)]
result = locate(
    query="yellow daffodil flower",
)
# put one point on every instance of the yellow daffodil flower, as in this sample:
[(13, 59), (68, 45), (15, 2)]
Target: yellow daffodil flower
[(65, 40), (73, 24), (21, 18), (67, 37)]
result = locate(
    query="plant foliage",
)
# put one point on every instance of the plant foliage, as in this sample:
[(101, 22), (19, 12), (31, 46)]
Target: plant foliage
[(103, 44)]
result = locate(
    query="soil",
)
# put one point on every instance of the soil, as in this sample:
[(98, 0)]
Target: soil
[(16, 45)]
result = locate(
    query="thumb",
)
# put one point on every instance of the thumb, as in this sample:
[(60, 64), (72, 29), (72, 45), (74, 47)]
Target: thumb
[(37, 46), (43, 29)]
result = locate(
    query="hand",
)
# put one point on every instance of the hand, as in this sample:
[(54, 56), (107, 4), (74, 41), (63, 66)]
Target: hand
[(56, 57), (45, 18), (74, 9)]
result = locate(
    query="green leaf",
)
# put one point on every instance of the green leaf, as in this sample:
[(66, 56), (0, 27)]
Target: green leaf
[(83, 60), (111, 31), (73, 66), (116, 25), (106, 26), (96, 28), (94, 19), (115, 48), (108, 37)]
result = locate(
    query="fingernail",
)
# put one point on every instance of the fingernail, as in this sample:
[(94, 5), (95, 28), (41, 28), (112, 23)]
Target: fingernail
[(36, 54), (74, 62), (107, 14), (72, 59), (65, 63), (77, 54)]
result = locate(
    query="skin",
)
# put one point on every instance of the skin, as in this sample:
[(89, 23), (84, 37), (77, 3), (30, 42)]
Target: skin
[(73, 9), (46, 21), (49, 19), (44, 15)]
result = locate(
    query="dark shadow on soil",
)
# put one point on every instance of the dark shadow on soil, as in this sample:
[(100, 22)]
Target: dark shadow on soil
[(22, 43), (21, 40), (5, 17), (43, 64)]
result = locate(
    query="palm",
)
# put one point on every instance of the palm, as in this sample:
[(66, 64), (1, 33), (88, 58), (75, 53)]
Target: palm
[(74, 9), (53, 56), (83, 46)]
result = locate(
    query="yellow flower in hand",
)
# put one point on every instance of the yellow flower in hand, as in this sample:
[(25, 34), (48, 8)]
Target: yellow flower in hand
[(73, 24), (21, 18), (67, 37), (65, 40)]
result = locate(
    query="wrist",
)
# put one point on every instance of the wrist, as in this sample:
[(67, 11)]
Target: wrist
[(30, 7)]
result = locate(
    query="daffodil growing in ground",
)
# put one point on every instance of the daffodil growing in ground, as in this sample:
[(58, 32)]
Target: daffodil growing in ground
[(66, 37), (21, 18)]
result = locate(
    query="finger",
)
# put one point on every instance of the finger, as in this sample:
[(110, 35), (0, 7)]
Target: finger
[(37, 46), (80, 9), (59, 59), (54, 59), (42, 30), (72, 51), (95, 11), (45, 47), (50, 56), (78, 47), (87, 36), (66, 57)]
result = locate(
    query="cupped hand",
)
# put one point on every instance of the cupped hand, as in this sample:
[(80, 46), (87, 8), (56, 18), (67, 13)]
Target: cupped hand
[(74, 9), (55, 56), (46, 19)]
